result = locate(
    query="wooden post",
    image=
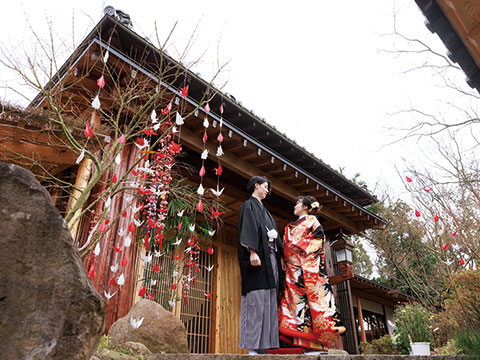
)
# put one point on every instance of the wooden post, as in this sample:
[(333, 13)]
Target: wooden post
[(83, 176), (360, 319)]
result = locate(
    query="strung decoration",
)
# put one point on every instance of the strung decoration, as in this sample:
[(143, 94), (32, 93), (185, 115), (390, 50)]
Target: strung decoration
[(101, 82), (184, 91), (80, 157), (108, 296), (428, 190), (408, 179), (96, 103), (134, 323), (88, 131), (436, 218), (454, 234), (444, 247), (417, 213), (121, 280), (461, 262), (207, 108)]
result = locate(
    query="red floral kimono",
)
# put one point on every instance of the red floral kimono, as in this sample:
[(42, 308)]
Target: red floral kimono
[(307, 312)]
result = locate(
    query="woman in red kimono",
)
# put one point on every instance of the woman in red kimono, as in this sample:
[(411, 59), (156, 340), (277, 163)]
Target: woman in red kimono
[(307, 312)]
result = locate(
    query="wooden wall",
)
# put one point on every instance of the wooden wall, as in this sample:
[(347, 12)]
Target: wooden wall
[(228, 294)]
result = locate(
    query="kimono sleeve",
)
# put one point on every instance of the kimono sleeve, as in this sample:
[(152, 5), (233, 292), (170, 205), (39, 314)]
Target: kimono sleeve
[(314, 240), (248, 235)]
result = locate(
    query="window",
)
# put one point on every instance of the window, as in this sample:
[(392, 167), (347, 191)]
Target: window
[(373, 323)]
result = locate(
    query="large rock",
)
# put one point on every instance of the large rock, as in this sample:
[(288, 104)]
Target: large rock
[(48, 306), (160, 330)]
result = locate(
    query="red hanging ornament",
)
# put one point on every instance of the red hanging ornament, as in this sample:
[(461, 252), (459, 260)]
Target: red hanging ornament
[(408, 179), (142, 291), (149, 132), (175, 148), (174, 287), (103, 226), (202, 171), (91, 272), (150, 296), (200, 206), (454, 234), (417, 213), (113, 281), (101, 82), (131, 227), (145, 242), (220, 137), (156, 268), (435, 218), (210, 250), (114, 178), (444, 247), (205, 137), (428, 190), (88, 131), (184, 91), (219, 170), (121, 139), (179, 226), (221, 109), (207, 108), (117, 249), (124, 214), (125, 261), (140, 141), (461, 261)]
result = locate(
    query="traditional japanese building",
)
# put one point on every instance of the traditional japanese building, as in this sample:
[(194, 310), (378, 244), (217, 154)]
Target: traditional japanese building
[(251, 147)]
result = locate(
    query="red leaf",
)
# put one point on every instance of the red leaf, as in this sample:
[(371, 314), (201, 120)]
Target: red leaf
[(121, 139), (124, 213), (454, 234), (184, 91), (88, 131), (174, 286), (131, 227), (103, 226), (101, 82), (205, 137), (461, 261), (210, 250), (142, 291), (220, 137), (91, 272), (114, 178), (408, 179), (207, 108), (417, 213), (428, 190), (125, 261), (150, 296), (436, 218), (117, 249), (444, 247), (200, 206), (202, 171), (219, 170)]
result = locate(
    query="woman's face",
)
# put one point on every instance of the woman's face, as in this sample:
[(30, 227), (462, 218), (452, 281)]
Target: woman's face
[(300, 209), (261, 190)]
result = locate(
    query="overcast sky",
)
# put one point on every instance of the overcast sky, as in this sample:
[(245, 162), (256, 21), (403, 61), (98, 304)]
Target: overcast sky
[(313, 69)]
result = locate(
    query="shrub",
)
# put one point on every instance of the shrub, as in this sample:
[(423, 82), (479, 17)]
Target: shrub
[(468, 341), (383, 345), (412, 325)]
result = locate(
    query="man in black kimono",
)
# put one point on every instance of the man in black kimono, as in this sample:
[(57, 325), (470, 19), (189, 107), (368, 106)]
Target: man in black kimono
[(260, 254)]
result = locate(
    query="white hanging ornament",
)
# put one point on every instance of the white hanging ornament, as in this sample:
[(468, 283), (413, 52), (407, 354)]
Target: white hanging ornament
[(105, 57), (96, 103), (221, 122), (118, 159), (219, 151), (108, 295), (171, 303), (97, 249), (128, 241), (206, 123), (174, 130), (108, 202), (153, 116), (204, 154), (179, 119), (114, 268), (80, 157), (134, 323), (217, 192), (121, 280), (200, 190), (153, 282)]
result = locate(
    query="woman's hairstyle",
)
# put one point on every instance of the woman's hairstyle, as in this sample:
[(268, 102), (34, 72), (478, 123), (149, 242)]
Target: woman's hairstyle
[(258, 180), (311, 203)]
